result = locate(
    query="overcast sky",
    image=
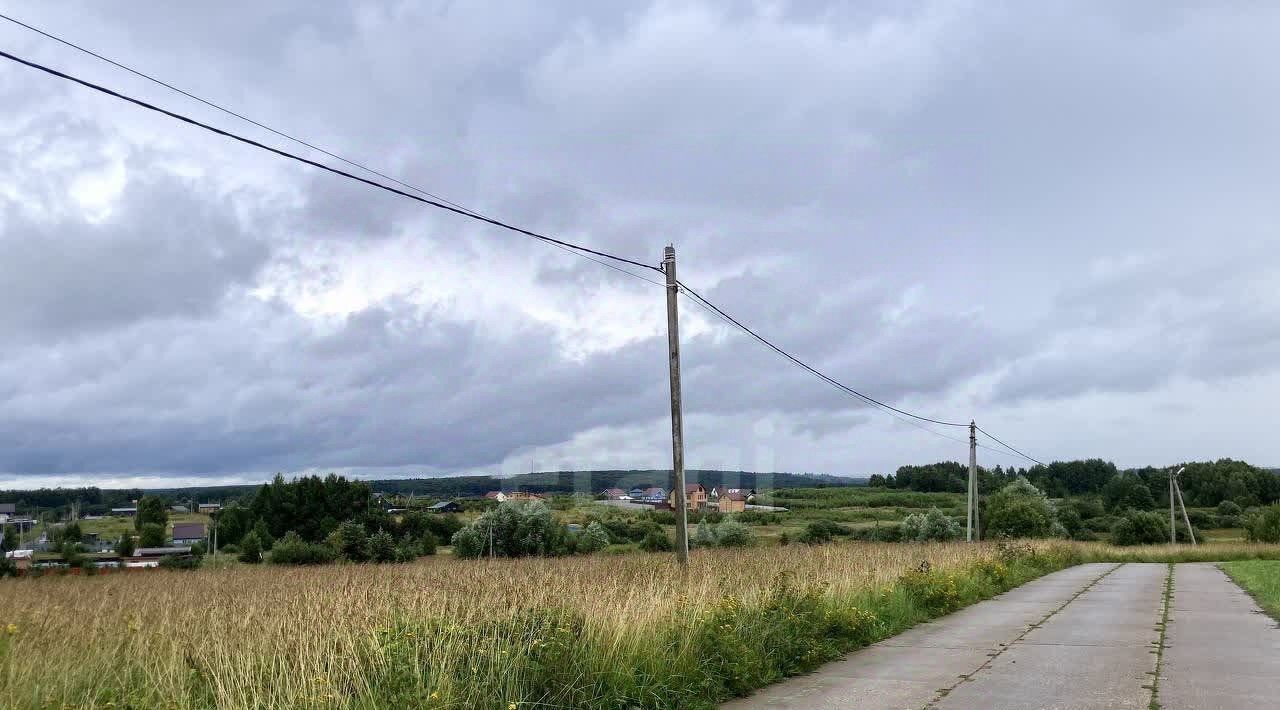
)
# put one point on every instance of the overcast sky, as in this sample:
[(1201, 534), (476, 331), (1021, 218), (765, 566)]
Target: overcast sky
[(1057, 218)]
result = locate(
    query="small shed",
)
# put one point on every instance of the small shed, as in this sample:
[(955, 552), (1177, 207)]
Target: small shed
[(188, 533), (445, 506)]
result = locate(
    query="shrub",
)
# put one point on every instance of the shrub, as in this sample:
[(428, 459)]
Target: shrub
[(593, 539), (933, 526), (250, 549), (1127, 491), (231, 549), (935, 592), (1101, 524), (351, 541), (382, 547), (1140, 527), (1019, 510), (151, 535), (468, 543), (656, 541), (179, 562), (442, 526), (1229, 507), (1264, 526), (124, 546), (704, 537), (820, 532), (293, 550), (521, 529), (731, 533)]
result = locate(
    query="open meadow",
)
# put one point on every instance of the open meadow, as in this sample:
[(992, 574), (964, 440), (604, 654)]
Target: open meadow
[(601, 631), (593, 631)]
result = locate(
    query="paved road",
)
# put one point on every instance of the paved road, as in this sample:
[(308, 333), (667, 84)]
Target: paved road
[(1085, 637)]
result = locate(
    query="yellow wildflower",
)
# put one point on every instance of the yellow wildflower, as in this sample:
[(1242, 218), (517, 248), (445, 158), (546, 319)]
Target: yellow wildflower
[(11, 629)]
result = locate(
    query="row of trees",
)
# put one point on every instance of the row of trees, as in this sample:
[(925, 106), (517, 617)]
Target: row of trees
[(1203, 484)]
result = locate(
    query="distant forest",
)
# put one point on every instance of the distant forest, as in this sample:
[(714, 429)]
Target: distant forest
[(98, 501), (1206, 483)]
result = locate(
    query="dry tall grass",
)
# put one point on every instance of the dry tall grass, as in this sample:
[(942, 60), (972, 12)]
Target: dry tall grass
[(256, 637)]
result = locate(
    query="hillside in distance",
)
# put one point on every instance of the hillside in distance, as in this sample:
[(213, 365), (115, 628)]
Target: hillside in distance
[(548, 482)]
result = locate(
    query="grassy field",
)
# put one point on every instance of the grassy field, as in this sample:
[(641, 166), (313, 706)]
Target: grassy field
[(600, 631), (1261, 578)]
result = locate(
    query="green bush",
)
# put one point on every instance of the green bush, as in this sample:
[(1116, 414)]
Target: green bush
[(179, 562), (1264, 526), (820, 532), (151, 535), (935, 592), (656, 541), (593, 538), (293, 550), (1127, 491), (1229, 507), (933, 526), (520, 530), (703, 537), (382, 547), (468, 543), (1140, 527), (250, 549), (1101, 524), (351, 541), (731, 533), (1019, 510)]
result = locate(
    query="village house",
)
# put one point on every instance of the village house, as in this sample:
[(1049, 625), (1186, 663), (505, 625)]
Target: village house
[(729, 500), (124, 512), (695, 497), (7, 510), (504, 496), (445, 506), (21, 558), (188, 533), (615, 494), (150, 556), (209, 508), (653, 495)]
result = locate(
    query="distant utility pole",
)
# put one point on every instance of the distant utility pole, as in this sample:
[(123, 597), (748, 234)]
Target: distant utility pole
[(972, 504), (1178, 489), (677, 420), (1173, 526)]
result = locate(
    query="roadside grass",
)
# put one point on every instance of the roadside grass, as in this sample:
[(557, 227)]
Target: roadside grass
[(1208, 552), (1261, 579), (602, 631)]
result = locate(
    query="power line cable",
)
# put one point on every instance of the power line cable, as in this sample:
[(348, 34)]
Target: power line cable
[(227, 111), (336, 171), (892, 411), (447, 205), (1029, 458), (810, 368)]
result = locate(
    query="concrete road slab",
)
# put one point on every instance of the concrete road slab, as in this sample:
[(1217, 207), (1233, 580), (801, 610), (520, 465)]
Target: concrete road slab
[(1097, 652), (1055, 676), (908, 670), (1221, 650)]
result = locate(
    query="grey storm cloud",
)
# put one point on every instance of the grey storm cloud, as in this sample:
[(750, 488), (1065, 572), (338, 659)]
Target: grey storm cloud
[(963, 209)]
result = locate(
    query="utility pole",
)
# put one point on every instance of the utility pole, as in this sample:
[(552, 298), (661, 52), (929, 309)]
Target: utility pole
[(1178, 489), (972, 505), (1173, 527), (677, 419)]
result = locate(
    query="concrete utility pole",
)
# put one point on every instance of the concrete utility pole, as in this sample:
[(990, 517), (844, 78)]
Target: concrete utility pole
[(1173, 526), (677, 419), (1178, 489), (972, 505)]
